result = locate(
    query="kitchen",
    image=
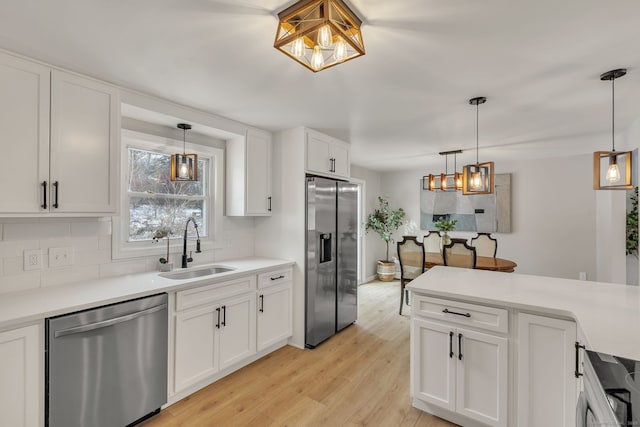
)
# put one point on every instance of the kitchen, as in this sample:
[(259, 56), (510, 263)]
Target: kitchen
[(574, 233)]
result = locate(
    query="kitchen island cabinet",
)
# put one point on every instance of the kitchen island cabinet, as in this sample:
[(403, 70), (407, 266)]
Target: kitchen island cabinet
[(550, 323)]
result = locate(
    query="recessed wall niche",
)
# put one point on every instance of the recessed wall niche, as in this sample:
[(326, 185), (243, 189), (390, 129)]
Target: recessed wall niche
[(484, 213)]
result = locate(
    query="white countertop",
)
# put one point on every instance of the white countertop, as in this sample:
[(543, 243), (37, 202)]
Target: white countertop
[(24, 307), (608, 314)]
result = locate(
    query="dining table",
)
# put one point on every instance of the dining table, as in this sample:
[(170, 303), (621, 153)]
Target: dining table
[(431, 259)]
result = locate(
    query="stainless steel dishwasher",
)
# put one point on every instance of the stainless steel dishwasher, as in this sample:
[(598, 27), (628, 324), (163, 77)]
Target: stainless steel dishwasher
[(107, 367)]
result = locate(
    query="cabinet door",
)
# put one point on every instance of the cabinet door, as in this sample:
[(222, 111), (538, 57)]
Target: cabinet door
[(546, 363), (258, 170), (24, 135), (84, 144), (274, 315), (238, 329), (339, 152), (433, 363), (482, 384), (318, 153), (21, 373), (196, 346)]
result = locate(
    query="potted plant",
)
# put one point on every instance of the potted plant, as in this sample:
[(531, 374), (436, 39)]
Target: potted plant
[(385, 221), (445, 225)]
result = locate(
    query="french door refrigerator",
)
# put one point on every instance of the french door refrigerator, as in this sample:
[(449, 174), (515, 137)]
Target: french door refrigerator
[(331, 263)]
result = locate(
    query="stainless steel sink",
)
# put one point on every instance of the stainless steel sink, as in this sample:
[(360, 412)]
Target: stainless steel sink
[(190, 274)]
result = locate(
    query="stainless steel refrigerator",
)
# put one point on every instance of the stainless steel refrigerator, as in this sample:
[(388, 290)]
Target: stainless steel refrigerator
[(331, 264)]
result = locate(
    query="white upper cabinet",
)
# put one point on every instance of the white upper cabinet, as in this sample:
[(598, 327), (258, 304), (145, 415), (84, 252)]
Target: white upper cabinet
[(327, 156), (59, 133), (84, 145), (24, 134), (248, 177)]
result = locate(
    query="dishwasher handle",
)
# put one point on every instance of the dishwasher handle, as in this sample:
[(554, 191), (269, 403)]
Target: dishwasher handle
[(110, 322)]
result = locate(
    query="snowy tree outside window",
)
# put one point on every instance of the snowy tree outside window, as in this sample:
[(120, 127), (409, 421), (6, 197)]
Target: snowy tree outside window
[(156, 202)]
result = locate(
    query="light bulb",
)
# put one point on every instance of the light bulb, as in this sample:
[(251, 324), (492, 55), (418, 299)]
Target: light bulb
[(317, 60), (613, 173), (340, 50), (432, 183), (476, 181), (458, 181), (297, 48), (324, 36), (183, 172), (443, 182)]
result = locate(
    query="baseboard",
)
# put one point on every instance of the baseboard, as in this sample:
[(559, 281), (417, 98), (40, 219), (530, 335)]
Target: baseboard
[(446, 415)]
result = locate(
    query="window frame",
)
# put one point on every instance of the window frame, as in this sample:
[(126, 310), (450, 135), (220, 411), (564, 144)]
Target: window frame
[(121, 246)]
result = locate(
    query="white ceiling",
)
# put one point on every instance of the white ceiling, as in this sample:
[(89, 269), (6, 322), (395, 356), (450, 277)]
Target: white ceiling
[(537, 61)]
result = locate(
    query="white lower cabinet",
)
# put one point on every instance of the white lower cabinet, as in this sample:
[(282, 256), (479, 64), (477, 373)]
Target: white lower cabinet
[(274, 315), (461, 370), (546, 382), (21, 373), (212, 338)]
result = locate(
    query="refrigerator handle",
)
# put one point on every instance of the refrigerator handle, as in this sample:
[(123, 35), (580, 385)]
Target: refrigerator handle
[(325, 247)]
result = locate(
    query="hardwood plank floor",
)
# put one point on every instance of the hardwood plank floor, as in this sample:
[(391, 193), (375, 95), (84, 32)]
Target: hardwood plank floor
[(360, 377)]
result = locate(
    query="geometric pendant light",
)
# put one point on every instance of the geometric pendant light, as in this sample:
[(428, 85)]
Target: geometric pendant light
[(612, 169), (478, 178), (319, 33), (184, 167)]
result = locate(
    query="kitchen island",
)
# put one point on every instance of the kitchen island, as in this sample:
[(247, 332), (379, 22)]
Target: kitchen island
[(493, 349)]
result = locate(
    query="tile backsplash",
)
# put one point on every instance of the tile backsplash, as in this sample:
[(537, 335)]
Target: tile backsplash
[(90, 243)]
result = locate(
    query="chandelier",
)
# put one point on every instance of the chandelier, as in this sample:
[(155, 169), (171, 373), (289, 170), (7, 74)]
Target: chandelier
[(478, 178), (445, 181), (319, 33)]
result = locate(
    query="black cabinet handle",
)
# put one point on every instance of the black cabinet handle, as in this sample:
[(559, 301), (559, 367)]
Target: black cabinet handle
[(44, 195), (577, 373), (450, 344), (277, 278), (269, 208), (56, 186), (446, 311), (459, 346), (224, 315), (218, 324), (261, 303)]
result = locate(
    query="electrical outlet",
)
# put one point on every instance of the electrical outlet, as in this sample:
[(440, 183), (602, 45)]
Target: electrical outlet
[(32, 259), (60, 257), (583, 275)]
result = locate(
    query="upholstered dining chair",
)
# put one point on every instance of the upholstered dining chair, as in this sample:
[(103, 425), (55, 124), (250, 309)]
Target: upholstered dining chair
[(431, 241), (485, 245), (459, 254), (411, 257)]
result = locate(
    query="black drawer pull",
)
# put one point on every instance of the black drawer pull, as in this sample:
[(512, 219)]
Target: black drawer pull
[(278, 278), (224, 315), (261, 304), (218, 324), (460, 346), (446, 311), (577, 373)]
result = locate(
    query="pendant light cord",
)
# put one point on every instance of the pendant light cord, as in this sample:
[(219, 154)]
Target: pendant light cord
[(477, 130), (613, 114)]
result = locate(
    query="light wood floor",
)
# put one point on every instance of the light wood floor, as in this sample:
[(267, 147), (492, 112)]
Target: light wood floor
[(359, 377)]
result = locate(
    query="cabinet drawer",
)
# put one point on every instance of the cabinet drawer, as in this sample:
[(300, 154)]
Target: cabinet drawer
[(477, 316), (209, 293), (274, 278)]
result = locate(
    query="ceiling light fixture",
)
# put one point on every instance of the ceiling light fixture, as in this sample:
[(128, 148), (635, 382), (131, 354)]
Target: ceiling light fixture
[(319, 33), (434, 183), (478, 178), (607, 165), (184, 167)]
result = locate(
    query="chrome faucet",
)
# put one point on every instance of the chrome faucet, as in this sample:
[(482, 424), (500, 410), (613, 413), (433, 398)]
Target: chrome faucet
[(185, 259)]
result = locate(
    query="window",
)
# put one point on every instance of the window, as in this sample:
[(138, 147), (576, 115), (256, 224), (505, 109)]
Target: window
[(150, 201), (155, 202)]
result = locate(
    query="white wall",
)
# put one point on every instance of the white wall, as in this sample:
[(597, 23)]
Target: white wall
[(374, 246), (553, 214)]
